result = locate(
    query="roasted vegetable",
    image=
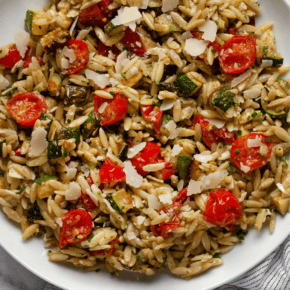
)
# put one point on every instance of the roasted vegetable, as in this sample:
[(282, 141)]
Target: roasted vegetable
[(30, 22), (43, 117), (183, 162), (75, 95), (123, 153), (121, 201), (54, 85), (54, 150), (277, 59), (165, 24), (34, 213), (69, 133), (45, 178), (187, 84), (89, 126), (2, 140), (276, 115), (223, 99)]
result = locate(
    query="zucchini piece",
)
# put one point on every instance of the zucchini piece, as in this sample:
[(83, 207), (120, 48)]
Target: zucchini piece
[(154, 4), (10, 92), (54, 150), (69, 133), (89, 126), (276, 115), (28, 21), (223, 99), (277, 60), (164, 23), (123, 153), (121, 201), (183, 162), (54, 85), (75, 95), (2, 140), (34, 213), (44, 178), (187, 84), (42, 117), (30, 25)]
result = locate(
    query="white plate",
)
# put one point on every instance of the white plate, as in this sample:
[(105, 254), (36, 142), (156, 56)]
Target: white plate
[(256, 247)]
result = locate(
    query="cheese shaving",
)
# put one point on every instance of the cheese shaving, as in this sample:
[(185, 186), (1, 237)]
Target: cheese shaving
[(180, 184), (92, 196), (4, 83), (127, 16), (176, 150), (100, 80), (38, 141), (209, 28), (73, 26), (167, 104), (257, 142), (83, 33), (102, 107), (245, 168), (58, 221), (195, 47), (22, 39), (131, 235), (203, 157), (212, 180), (166, 198), (194, 187), (144, 4), (121, 57), (187, 35), (153, 202), (168, 5), (74, 191), (140, 219), (69, 53), (172, 128), (216, 122), (135, 150), (281, 187), (132, 177)]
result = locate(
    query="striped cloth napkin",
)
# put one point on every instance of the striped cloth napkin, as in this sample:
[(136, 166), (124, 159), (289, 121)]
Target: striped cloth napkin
[(272, 274)]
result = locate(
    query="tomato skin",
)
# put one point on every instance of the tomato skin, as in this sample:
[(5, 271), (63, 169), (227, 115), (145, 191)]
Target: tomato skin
[(77, 224), (28, 60), (182, 195), (104, 50), (150, 115), (111, 251), (18, 151), (225, 134), (93, 16), (110, 172), (131, 39), (114, 112), (86, 199), (13, 57), (238, 54), (82, 55), (222, 209), (166, 172), (251, 157), (232, 30), (26, 108), (147, 156)]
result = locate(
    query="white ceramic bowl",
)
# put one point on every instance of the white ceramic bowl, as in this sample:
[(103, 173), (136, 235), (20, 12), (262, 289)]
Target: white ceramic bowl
[(255, 247)]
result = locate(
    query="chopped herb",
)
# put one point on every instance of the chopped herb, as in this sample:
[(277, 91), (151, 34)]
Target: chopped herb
[(183, 56), (123, 75), (254, 114), (98, 270), (116, 246), (238, 158), (241, 235), (279, 80), (138, 258), (113, 93), (92, 165), (237, 151), (217, 255), (271, 208), (230, 170), (50, 5), (239, 132), (21, 189), (217, 23), (213, 51), (268, 140), (113, 273), (265, 48), (39, 90), (69, 121)]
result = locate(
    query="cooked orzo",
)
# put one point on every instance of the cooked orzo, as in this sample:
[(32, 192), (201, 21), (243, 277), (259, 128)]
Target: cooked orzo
[(143, 134)]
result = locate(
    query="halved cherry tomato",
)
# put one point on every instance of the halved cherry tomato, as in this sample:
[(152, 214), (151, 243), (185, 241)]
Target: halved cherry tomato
[(232, 30), (222, 209), (77, 224), (28, 60), (150, 115), (133, 42), (238, 54), (212, 135), (86, 199), (248, 158), (110, 172), (147, 156), (26, 108), (13, 57), (81, 51), (166, 172), (182, 195), (114, 245), (93, 16), (114, 112), (104, 50), (18, 151)]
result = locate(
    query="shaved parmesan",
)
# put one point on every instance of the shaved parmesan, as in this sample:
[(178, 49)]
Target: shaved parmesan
[(167, 104), (209, 28), (245, 168), (216, 122), (186, 35), (166, 198), (4, 83), (69, 53), (257, 142), (64, 63), (153, 202), (252, 93), (71, 170), (203, 157), (136, 149), (58, 221), (140, 219), (22, 39), (13, 173), (194, 187), (240, 78), (176, 150), (144, 4), (212, 180), (102, 107), (232, 127), (281, 187), (194, 46), (180, 184), (127, 16), (173, 130), (100, 80), (38, 141), (132, 177), (134, 70), (267, 62), (121, 57), (83, 33), (86, 170), (74, 191), (168, 5), (131, 235), (111, 55)]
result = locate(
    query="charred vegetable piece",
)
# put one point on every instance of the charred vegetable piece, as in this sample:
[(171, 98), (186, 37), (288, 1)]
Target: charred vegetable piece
[(75, 95), (43, 116), (187, 84), (223, 99), (276, 115), (54, 150), (2, 140), (276, 59), (54, 85), (45, 178), (195, 171), (121, 201), (89, 125), (69, 133), (123, 153), (168, 87), (30, 25), (34, 213), (183, 162)]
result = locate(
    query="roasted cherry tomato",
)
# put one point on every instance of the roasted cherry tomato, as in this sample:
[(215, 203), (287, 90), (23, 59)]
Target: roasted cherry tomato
[(232, 30), (166, 172), (133, 42), (81, 51), (147, 156), (110, 172), (28, 60), (93, 16), (77, 224), (182, 195), (238, 54), (26, 108), (248, 158), (213, 135), (86, 199), (104, 50), (222, 209), (18, 152), (114, 112), (150, 115), (13, 57), (114, 246)]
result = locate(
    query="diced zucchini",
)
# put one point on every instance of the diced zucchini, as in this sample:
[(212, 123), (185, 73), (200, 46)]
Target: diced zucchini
[(10, 92), (164, 23), (54, 150), (110, 27), (2, 140), (123, 153), (54, 85), (276, 115), (69, 133), (187, 84), (45, 178), (75, 95), (121, 201), (155, 4), (281, 203), (277, 59), (31, 25), (223, 99), (89, 126), (167, 87), (183, 162), (34, 213), (43, 116)]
